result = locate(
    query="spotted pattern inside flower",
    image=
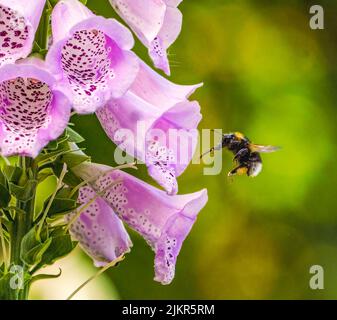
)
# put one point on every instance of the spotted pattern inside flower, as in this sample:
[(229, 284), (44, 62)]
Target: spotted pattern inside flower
[(14, 34), (165, 266), (106, 116), (24, 109), (86, 63), (159, 159), (93, 236), (117, 197)]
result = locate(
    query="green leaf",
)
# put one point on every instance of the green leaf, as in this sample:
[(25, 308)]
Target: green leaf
[(5, 196), (73, 136), (74, 159), (55, 144), (62, 203), (71, 179), (32, 250), (13, 173), (46, 276), (62, 206), (61, 245), (23, 193), (44, 174), (51, 156)]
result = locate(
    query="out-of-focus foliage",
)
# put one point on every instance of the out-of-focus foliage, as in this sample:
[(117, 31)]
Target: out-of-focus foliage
[(267, 74)]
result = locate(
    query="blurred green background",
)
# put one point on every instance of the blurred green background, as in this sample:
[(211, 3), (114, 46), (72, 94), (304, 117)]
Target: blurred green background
[(267, 74)]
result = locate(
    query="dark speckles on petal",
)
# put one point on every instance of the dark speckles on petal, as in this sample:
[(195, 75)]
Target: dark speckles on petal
[(86, 63), (13, 35), (24, 106)]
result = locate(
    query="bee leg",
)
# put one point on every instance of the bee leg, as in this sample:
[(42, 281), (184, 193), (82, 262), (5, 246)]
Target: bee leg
[(242, 153), (240, 170)]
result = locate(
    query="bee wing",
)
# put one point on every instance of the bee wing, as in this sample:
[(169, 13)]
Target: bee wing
[(260, 148)]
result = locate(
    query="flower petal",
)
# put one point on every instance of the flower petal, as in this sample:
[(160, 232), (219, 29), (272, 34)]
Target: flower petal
[(156, 90), (157, 23), (154, 104), (66, 14), (173, 3), (164, 221), (18, 24), (168, 33), (99, 231), (32, 111), (145, 17), (93, 60), (168, 156)]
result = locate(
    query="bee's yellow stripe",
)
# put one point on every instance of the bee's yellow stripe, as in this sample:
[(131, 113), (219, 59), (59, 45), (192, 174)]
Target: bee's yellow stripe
[(239, 135)]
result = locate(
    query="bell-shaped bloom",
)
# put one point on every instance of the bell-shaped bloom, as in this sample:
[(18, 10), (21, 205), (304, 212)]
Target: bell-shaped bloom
[(155, 123), (90, 56), (100, 233), (18, 24), (163, 221), (157, 23), (32, 109)]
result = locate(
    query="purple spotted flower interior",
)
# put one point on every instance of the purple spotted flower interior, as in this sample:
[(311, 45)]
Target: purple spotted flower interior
[(13, 34), (24, 106), (86, 60)]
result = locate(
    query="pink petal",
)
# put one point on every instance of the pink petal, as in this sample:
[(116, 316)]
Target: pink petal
[(157, 23), (66, 14), (168, 158), (18, 24), (168, 33), (93, 61), (145, 17), (154, 103), (164, 221), (99, 231), (156, 90), (173, 3), (32, 111)]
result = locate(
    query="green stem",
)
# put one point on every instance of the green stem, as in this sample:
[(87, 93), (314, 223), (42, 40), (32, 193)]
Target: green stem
[(23, 222), (18, 233), (59, 184), (3, 245), (108, 266)]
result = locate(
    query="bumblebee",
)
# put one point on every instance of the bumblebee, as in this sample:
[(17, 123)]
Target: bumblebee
[(246, 154)]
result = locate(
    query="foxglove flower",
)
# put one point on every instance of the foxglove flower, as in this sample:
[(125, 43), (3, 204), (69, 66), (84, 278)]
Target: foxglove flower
[(99, 231), (157, 23), (151, 105), (90, 55), (18, 24), (163, 221), (32, 109)]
